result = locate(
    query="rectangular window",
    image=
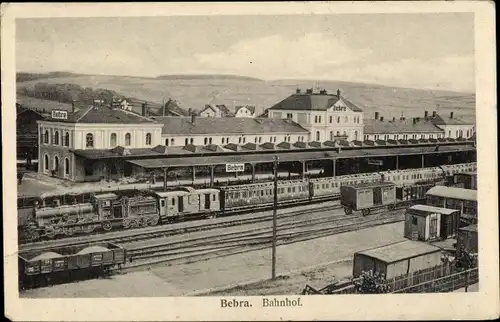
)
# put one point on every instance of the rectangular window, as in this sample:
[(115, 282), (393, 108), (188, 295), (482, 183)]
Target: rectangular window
[(163, 203), (173, 201), (331, 119), (319, 119)]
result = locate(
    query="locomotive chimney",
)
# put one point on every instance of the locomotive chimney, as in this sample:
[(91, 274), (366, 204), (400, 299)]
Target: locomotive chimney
[(376, 115), (193, 118)]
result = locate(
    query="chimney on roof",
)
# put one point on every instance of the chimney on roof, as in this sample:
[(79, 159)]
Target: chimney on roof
[(433, 113), (376, 115), (338, 93), (323, 91), (297, 91), (426, 115), (73, 106), (414, 121), (193, 118), (309, 91), (451, 115), (394, 119), (381, 119), (145, 109)]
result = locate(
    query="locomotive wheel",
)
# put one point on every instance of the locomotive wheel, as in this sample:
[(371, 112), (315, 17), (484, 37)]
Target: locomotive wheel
[(50, 233), (87, 226), (153, 221), (348, 210), (392, 207), (32, 236), (143, 222), (106, 226), (365, 212)]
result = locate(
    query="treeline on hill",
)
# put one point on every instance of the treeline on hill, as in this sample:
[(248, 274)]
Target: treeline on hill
[(68, 93), (25, 77)]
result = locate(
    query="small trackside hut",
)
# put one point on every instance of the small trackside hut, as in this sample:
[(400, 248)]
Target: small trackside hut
[(397, 259), (428, 223), (366, 197)]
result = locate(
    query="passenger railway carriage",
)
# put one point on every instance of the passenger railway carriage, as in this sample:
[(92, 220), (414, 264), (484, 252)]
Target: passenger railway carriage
[(106, 211)]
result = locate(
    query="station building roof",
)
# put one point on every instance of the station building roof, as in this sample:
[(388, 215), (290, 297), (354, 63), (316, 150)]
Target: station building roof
[(284, 156), (225, 125), (310, 101), (400, 251), (373, 126), (102, 115)]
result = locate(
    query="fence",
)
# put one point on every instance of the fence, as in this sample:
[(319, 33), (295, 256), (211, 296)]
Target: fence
[(441, 278)]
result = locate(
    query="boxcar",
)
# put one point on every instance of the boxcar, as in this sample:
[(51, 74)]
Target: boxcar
[(465, 180), (427, 223), (366, 197), (461, 199), (397, 259), (63, 263), (467, 238)]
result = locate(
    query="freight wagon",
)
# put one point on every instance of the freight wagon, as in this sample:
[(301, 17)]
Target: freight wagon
[(461, 199), (366, 197), (467, 238), (465, 180), (397, 259), (427, 223), (62, 264)]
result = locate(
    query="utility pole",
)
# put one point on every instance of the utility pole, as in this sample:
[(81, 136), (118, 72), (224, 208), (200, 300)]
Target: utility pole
[(275, 215)]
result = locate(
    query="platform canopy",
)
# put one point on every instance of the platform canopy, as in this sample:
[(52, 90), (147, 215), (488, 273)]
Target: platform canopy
[(285, 156)]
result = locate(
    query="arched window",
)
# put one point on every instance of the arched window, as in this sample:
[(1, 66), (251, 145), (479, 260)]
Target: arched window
[(331, 135), (166, 142), (66, 166), (56, 138), (338, 119), (222, 140), (66, 139), (317, 136), (46, 162), (46, 137), (244, 139), (355, 135), (186, 142), (112, 139), (338, 133), (239, 140), (148, 138), (260, 139), (205, 141), (172, 141), (456, 134), (461, 133), (191, 140), (209, 140), (255, 140), (89, 139), (56, 163), (127, 139)]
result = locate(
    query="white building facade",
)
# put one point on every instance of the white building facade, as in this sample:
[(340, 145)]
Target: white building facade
[(327, 117)]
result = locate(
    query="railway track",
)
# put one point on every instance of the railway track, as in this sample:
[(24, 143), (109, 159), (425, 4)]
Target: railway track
[(219, 245), (142, 234)]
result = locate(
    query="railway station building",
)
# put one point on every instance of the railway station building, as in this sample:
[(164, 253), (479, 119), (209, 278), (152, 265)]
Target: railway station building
[(305, 130)]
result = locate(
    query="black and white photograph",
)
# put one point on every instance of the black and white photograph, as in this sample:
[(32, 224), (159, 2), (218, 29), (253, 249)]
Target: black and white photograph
[(254, 160)]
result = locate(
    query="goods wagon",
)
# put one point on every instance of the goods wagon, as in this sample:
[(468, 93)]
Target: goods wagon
[(467, 238), (64, 263), (397, 259), (427, 223), (465, 180), (366, 197), (461, 199)]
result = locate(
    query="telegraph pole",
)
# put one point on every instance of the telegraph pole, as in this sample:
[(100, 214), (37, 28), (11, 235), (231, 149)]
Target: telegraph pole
[(275, 215)]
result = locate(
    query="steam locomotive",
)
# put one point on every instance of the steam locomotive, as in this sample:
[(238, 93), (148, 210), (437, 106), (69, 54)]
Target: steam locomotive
[(110, 210)]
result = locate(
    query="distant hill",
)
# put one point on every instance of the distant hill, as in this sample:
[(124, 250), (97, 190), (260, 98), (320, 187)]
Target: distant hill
[(208, 77), (195, 92), (24, 77)]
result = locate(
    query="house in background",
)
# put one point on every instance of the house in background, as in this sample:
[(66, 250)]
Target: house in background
[(452, 126), (119, 102), (27, 131), (211, 110), (244, 111)]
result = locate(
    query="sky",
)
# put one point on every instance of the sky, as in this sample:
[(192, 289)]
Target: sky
[(432, 51)]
